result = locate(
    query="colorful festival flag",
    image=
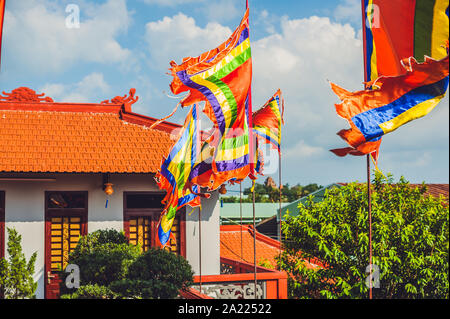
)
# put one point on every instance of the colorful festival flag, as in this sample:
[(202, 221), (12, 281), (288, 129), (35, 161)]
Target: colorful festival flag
[(395, 101), (174, 173), (222, 78), (2, 16), (394, 31), (268, 119), (397, 30)]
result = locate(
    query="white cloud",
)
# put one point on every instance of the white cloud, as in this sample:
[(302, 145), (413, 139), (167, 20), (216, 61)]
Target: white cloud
[(223, 10), (299, 60), (349, 10), (36, 32), (217, 10), (91, 89), (302, 150), (170, 3), (179, 36)]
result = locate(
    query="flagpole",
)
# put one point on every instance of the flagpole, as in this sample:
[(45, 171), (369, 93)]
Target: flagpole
[(240, 211), (281, 197), (254, 238), (252, 166), (200, 246), (2, 18), (369, 192), (369, 199)]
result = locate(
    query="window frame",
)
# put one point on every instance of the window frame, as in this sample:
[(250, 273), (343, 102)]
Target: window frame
[(49, 287), (2, 224), (154, 214)]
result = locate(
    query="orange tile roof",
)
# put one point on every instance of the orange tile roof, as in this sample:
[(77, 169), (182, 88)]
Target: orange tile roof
[(435, 190), (38, 135), (266, 248)]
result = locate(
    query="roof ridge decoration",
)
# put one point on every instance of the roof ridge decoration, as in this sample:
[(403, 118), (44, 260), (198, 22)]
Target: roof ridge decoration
[(126, 99), (24, 94)]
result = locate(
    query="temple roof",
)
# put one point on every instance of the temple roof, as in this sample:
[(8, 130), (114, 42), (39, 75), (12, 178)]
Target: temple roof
[(39, 135)]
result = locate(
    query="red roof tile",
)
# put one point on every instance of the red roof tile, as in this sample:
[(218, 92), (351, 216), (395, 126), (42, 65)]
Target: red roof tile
[(435, 190), (38, 135), (266, 248)]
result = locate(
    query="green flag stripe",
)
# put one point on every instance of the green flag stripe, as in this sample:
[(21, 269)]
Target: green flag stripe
[(223, 72), (423, 28), (229, 96), (232, 65), (234, 142)]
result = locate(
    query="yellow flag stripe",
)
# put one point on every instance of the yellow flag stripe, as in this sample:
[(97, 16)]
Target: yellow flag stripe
[(413, 113), (440, 32)]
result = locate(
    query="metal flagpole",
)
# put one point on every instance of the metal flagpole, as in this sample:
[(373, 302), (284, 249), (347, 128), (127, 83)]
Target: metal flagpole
[(254, 238), (369, 192), (252, 166), (200, 246), (251, 169), (369, 197), (281, 197), (240, 210)]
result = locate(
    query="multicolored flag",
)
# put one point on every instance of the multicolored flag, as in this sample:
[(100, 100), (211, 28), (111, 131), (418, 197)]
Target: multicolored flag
[(268, 119), (222, 78), (396, 101), (396, 30), (392, 32), (174, 173), (201, 173), (2, 16)]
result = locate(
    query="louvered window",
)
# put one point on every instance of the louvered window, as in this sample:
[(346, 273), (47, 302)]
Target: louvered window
[(141, 216)]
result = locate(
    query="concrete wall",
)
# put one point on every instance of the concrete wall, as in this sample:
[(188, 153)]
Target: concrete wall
[(25, 211), (210, 237)]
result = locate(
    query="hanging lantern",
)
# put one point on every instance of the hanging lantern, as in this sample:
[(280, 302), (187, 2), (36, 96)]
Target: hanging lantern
[(107, 185), (109, 189), (223, 190)]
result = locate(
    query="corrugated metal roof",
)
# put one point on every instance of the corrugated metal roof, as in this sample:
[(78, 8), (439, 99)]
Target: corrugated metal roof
[(264, 210), (317, 197)]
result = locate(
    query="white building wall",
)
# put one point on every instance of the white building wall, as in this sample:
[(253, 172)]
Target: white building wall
[(25, 211), (210, 237)]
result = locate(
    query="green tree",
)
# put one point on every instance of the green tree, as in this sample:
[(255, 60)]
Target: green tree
[(410, 239), (265, 193), (111, 268), (103, 257), (16, 274), (157, 274)]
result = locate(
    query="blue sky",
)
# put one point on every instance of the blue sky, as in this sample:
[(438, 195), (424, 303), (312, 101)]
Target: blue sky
[(296, 45)]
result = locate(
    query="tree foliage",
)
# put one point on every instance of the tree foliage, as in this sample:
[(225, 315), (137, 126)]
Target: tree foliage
[(156, 274), (103, 257), (266, 193), (16, 274), (111, 268), (410, 236)]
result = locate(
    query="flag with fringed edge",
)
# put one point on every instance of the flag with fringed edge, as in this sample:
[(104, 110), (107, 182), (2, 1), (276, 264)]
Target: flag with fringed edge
[(268, 119), (222, 78), (395, 30), (392, 32), (395, 101), (174, 173)]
